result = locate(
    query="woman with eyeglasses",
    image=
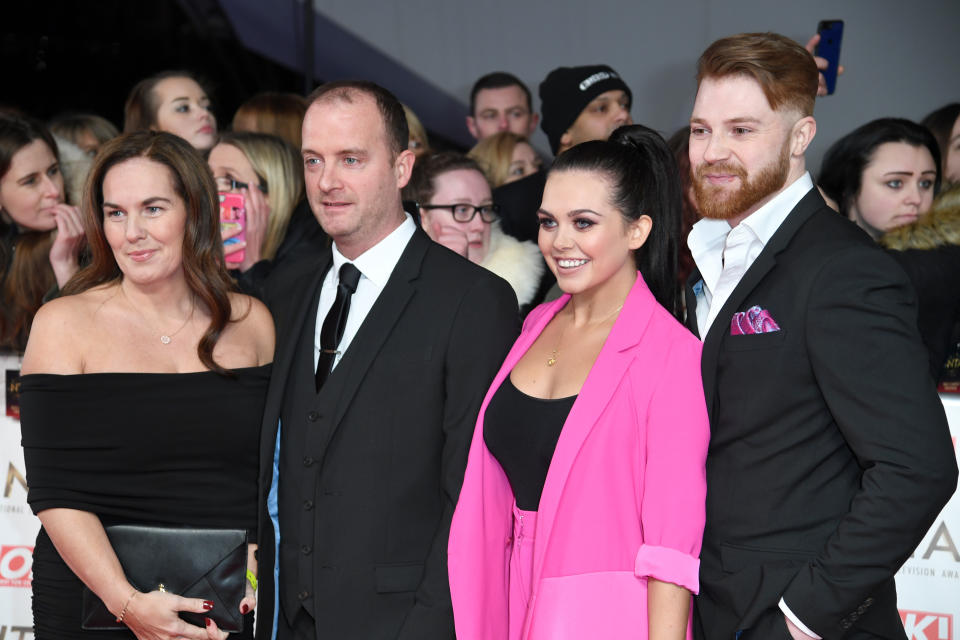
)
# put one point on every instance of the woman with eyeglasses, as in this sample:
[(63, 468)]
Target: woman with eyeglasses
[(457, 211), (266, 171)]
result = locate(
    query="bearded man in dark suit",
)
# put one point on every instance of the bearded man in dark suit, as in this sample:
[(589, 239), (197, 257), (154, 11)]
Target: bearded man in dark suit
[(830, 454)]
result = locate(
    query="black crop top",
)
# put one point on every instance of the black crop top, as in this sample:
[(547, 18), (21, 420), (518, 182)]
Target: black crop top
[(521, 432)]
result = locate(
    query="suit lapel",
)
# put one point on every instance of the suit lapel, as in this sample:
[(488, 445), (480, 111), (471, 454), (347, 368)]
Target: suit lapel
[(377, 326), (753, 276), (617, 353)]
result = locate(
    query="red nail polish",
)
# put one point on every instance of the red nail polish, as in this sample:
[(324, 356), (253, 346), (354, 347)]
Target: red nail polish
[(207, 605), (208, 621), (244, 608)]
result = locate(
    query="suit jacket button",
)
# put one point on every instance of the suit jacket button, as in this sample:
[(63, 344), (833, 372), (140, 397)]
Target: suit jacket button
[(308, 504), (313, 416), (303, 595), (306, 549), (307, 461)]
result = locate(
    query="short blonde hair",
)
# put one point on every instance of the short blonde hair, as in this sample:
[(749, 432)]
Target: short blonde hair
[(277, 164), (494, 154), (417, 132)]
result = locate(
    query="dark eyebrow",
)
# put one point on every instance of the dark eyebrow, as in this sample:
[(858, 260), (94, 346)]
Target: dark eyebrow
[(571, 214), (146, 202), (906, 173), (742, 120)]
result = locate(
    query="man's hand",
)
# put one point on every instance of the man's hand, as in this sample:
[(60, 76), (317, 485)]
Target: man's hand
[(822, 64)]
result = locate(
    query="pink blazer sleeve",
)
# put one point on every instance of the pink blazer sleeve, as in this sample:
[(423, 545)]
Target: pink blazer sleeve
[(672, 507)]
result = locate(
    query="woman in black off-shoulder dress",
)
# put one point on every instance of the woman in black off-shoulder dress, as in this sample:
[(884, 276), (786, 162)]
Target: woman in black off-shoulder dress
[(142, 392)]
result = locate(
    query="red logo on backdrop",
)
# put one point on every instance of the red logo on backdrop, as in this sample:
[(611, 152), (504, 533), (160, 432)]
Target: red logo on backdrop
[(16, 566), (923, 625)]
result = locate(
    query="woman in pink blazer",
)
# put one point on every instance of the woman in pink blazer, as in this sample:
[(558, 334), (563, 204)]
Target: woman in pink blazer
[(582, 507)]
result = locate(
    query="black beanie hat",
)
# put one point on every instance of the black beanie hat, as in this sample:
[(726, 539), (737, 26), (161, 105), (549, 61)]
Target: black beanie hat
[(568, 90)]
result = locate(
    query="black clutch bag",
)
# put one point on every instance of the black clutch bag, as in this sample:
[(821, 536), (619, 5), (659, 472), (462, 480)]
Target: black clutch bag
[(210, 564)]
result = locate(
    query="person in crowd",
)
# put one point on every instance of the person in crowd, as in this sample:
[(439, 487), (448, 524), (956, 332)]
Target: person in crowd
[(267, 172), (928, 249), (506, 157), (499, 101), (883, 174), (829, 451), (588, 454), (419, 142), (389, 341), (944, 124), (41, 236), (86, 130), (579, 104), (175, 102), (74, 166), (278, 114), (160, 368), (679, 143), (457, 211)]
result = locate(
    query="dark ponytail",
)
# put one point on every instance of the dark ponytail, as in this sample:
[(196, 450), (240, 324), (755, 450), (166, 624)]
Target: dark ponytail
[(645, 180)]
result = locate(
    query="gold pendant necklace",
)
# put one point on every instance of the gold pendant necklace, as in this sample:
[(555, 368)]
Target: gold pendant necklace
[(552, 360)]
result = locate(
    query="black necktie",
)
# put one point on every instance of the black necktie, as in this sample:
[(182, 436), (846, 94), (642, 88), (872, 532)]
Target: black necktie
[(336, 321)]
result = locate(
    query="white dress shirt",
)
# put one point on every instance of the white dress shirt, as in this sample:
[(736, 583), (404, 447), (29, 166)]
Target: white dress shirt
[(711, 241), (724, 253), (375, 265)]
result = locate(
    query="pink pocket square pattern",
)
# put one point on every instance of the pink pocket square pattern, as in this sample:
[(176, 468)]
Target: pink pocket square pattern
[(753, 320)]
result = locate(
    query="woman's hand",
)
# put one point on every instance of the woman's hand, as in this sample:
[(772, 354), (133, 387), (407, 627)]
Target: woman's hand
[(155, 616), (65, 252), (255, 228), (452, 236)]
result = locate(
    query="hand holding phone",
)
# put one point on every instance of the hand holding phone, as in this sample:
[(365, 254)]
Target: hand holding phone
[(828, 48), (233, 216)]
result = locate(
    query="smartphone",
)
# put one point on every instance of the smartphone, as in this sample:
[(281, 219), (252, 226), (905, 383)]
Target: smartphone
[(233, 214), (831, 33)]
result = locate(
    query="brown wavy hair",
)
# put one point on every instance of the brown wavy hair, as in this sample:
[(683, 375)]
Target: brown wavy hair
[(203, 266), (25, 271)]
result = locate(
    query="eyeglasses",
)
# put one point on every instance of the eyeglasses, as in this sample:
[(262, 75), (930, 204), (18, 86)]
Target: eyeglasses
[(226, 183), (465, 212)]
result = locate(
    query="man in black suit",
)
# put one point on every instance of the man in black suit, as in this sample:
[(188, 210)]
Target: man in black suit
[(829, 455), (387, 344)]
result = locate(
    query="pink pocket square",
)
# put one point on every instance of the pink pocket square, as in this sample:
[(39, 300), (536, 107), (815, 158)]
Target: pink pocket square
[(753, 320)]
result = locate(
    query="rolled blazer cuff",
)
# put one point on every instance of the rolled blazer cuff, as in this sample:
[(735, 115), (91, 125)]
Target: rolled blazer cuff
[(668, 565)]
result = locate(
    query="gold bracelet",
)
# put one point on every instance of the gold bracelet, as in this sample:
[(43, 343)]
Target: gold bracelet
[(123, 611), (252, 579)]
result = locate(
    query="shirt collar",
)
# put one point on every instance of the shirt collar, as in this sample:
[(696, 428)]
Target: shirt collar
[(765, 221), (377, 263)]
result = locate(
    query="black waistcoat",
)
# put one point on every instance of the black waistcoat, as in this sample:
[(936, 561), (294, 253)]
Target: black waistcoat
[(307, 420)]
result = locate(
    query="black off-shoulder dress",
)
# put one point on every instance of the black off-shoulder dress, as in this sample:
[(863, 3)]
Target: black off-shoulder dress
[(149, 448)]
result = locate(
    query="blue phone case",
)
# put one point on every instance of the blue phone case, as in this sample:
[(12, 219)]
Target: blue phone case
[(831, 34)]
